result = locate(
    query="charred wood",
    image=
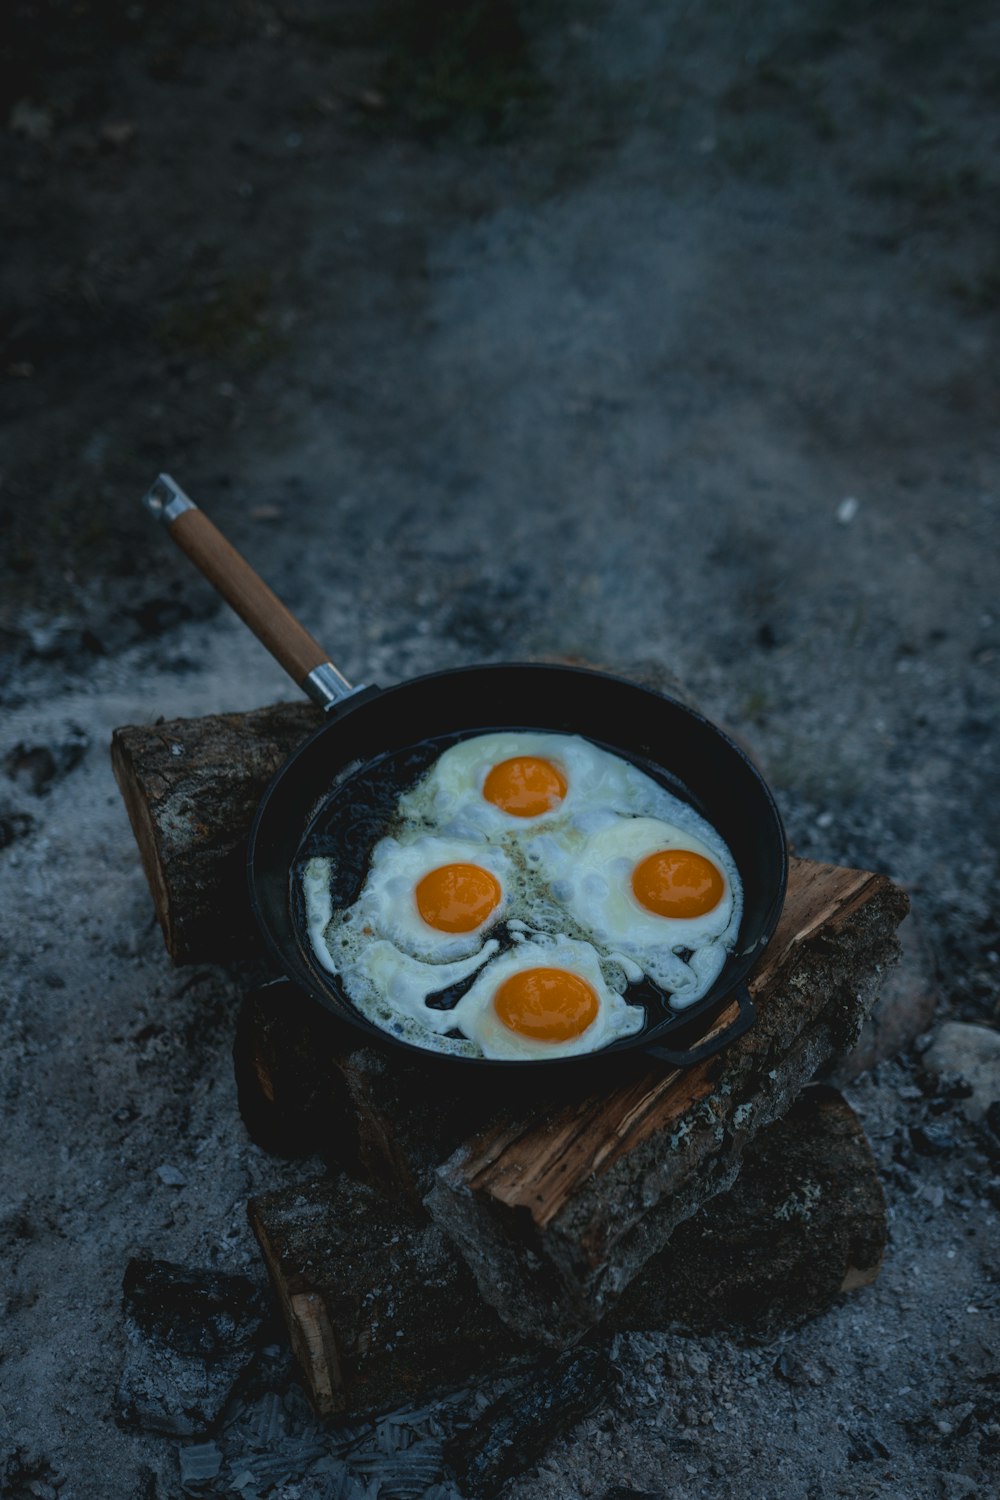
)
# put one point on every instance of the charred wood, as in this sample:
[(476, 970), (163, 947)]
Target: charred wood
[(380, 1309), (515, 1430)]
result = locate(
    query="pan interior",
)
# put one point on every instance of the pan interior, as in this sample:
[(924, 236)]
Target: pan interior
[(338, 793)]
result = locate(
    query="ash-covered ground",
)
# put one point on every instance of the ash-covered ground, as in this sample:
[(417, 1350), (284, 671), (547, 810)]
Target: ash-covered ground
[(637, 333)]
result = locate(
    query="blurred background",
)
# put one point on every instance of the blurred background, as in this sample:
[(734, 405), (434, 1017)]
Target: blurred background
[(657, 335)]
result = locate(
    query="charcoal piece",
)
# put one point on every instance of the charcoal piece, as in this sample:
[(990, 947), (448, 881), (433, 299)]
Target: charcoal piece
[(23, 1473), (408, 1471), (931, 1140), (512, 1434), (191, 1335), (200, 1462)]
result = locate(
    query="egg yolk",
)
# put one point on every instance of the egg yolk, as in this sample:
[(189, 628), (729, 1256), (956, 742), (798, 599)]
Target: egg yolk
[(457, 898), (677, 883), (525, 786), (546, 1005)]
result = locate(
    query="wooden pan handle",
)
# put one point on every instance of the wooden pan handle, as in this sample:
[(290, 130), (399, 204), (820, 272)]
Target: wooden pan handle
[(231, 575)]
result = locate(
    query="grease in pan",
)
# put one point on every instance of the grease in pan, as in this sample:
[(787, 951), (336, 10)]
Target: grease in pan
[(537, 866)]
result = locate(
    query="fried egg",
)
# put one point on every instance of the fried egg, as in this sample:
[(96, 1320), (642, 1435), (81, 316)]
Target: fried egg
[(546, 997), (498, 785), (433, 898)]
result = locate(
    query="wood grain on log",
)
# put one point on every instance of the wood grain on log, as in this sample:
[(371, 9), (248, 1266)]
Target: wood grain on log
[(380, 1309), (556, 1213), (191, 788)]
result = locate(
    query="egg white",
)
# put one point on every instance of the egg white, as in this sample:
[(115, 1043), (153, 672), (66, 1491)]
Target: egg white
[(566, 882)]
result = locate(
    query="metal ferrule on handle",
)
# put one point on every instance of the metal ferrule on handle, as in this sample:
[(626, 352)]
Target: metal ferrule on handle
[(245, 591)]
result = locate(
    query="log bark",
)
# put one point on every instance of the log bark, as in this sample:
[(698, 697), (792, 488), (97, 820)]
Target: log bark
[(804, 1222), (379, 1309), (556, 1213), (191, 788)]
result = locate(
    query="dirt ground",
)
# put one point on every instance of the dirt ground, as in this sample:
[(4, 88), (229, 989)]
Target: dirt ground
[(632, 332)]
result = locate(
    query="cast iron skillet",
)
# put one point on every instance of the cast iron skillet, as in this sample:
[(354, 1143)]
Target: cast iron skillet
[(368, 727)]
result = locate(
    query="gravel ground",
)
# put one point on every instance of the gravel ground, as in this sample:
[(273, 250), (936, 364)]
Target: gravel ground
[(642, 334)]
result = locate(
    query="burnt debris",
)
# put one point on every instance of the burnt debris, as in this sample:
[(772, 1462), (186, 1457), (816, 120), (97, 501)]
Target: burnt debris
[(192, 1335), (513, 1433)]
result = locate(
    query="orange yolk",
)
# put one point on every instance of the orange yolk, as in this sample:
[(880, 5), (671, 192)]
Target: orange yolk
[(525, 786), (457, 898), (677, 883), (547, 1005)]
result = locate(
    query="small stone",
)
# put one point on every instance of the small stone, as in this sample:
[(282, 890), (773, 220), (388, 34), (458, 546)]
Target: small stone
[(931, 1140), (974, 1052), (796, 1370), (171, 1176), (847, 510)]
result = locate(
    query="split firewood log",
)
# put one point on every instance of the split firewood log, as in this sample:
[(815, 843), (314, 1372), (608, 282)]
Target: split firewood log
[(191, 788), (380, 1309)]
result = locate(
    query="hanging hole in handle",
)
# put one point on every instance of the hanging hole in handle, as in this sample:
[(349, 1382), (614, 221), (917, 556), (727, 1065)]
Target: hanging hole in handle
[(166, 500)]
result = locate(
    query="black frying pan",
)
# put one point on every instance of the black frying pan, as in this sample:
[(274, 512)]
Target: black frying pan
[(371, 732)]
